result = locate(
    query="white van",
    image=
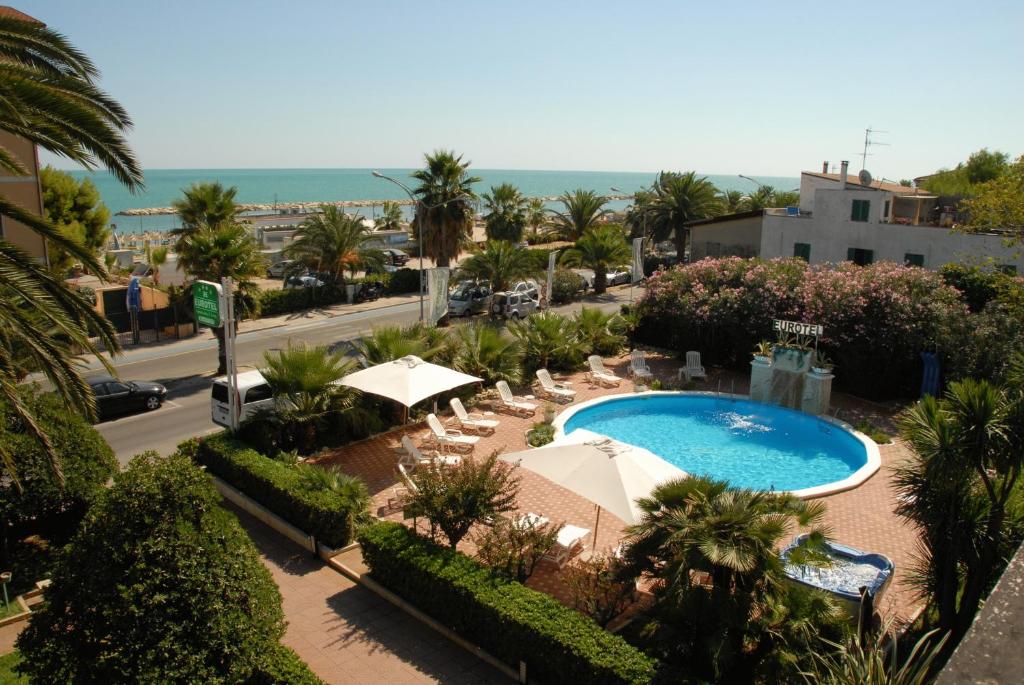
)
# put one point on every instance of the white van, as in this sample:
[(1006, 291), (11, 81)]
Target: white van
[(253, 390)]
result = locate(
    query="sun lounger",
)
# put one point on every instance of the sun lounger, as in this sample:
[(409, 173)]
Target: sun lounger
[(449, 438), (472, 422), (693, 368), (638, 368), (570, 540), (513, 404), (550, 389), (601, 375), (411, 456)]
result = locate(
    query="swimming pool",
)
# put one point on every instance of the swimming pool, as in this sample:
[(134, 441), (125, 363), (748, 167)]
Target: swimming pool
[(749, 444)]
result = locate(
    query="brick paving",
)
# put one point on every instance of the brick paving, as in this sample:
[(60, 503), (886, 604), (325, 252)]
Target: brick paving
[(862, 517)]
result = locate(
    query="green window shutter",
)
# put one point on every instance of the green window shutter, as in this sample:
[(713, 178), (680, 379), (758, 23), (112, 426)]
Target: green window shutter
[(854, 210), (851, 254), (802, 250)]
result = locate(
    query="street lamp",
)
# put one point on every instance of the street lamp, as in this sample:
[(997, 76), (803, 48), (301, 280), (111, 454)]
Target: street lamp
[(752, 180), (419, 238), (644, 228)]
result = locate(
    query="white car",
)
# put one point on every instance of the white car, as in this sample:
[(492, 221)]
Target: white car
[(619, 276), (303, 282), (515, 305)]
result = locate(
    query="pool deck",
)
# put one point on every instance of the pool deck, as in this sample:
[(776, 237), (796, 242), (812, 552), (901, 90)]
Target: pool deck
[(862, 517)]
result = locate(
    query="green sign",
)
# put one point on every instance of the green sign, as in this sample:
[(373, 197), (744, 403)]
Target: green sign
[(206, 298)]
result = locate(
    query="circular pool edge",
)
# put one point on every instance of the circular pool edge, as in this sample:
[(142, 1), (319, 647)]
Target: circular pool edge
[(854, 480)]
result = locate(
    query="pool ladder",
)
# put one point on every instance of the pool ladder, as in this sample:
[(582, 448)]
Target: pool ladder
[(826, 427), (732, 390)]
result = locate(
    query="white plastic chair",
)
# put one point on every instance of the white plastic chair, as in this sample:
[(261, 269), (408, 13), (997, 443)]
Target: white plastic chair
[(449, 438), (472, 421), (556, 391), (570, 538), (693, 368), (638, 365), (411, 456), (601, 375), (515, 405)]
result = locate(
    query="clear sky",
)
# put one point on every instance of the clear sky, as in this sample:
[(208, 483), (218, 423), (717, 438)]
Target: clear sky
[(721, 87)]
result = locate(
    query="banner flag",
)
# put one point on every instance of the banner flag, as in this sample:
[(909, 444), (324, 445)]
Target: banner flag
[(437, 293)]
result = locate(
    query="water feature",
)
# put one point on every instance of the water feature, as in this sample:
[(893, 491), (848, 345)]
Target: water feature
[(789, 367)]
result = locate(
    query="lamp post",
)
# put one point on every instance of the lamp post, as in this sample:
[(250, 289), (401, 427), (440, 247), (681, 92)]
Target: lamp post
[(416, 202), (644, 228), (752, 180)]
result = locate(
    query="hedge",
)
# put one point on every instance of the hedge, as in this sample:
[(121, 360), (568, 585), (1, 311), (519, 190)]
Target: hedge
[(507, 619), (403, 281), (278, 487), (282, 666)]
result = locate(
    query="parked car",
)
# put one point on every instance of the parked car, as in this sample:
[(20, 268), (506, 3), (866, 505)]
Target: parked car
[(619, 275), (515, 305), (115, 397), (280, 269), (303, 282), (253, 391), (395, 257), (468, 299), (588, 278), (387, 269)]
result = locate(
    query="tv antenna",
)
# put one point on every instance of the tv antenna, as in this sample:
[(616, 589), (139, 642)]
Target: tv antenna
[(868, 143)]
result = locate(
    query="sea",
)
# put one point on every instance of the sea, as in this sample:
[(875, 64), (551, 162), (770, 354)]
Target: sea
[(329, 185)]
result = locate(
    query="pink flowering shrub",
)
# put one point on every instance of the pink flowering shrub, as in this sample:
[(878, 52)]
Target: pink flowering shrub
[(877, 319)]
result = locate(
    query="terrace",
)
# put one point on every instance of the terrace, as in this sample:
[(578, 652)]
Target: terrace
[(862, 517)]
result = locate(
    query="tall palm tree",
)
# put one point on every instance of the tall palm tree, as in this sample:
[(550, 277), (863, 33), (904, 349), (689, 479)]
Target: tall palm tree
[(390, 218), (156, 258), (599, 249), (487, 353), (205, 204), (332, 241), (499, 263), (445, 212), (210, 253), (636, 215), (506, 213), (677, 199), (761, 198), (48, 96), (536, 216), (581, 210), (732, 201)]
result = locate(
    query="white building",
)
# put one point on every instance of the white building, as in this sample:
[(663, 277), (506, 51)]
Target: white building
[(842, 219)]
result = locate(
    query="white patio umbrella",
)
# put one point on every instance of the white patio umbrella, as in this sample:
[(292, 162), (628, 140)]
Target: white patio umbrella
[(407, 380), (609, 473)]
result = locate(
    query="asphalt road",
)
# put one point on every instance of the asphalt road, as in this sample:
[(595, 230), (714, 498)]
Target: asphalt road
[(187, 367)]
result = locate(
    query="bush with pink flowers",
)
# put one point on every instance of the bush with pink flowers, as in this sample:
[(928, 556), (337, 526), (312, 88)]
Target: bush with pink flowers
[(877, 319)]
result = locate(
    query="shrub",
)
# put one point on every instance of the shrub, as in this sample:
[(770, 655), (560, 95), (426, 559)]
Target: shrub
[(597, 590), (275, 302), (514, 548), (505, 618), (280, 488), (159, 585), (548, 341), (281, 666), (566, 286), (541, 434), (403, 281), (877, 319)]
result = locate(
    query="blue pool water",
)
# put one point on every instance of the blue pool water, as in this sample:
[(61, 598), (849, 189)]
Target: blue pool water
[(749, 444)]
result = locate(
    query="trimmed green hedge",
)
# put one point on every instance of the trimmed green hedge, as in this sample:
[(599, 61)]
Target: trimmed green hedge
[(509, 620), (282, 666), (274, 302), (278, 487), (403, 281)]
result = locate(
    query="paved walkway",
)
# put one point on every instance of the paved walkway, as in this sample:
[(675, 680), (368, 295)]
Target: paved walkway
[(349, 635)]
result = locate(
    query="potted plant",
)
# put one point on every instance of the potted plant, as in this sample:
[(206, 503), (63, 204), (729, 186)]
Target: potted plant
[(549, 412), (821, 364), (763, 352)]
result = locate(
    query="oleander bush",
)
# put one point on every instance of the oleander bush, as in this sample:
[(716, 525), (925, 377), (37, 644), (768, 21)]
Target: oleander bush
[(566, 286), (278, 487), (877, 319), (505, 618)]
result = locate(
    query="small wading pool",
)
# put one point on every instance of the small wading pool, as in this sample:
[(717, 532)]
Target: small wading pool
[(749, 444)]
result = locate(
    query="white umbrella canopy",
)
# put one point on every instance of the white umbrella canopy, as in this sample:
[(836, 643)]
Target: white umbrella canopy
[(609, 473), (407, 380)]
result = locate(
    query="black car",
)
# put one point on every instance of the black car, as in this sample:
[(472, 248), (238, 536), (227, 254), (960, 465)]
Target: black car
[(395, 257), (119, 397)]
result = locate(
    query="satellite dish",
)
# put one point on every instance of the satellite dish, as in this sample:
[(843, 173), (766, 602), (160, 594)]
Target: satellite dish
[(865, 177)]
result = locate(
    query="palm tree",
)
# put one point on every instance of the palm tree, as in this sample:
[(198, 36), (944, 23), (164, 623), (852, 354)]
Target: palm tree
[(536, 216), (304, 381), (487, 353), (388, 343), (390, 217), (599, 332), (761, 198), (206, 204), (156, 258), (506, 213), (48, 96), (351, 490), (445, 211), (210, 253), (548, 341), (599, 249), (500, 263), (332, 241), (677, 199), (636, 215), (732, 201), (582, 210), (968, 452)]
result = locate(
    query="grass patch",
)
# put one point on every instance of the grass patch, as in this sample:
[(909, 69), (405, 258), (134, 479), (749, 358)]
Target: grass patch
[(874, 432), (12, 609), (8, 676)]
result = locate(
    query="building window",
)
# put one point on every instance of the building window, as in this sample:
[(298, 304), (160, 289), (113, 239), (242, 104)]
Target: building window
[(885, 210), (1008, 269), (802, 250), (911, 259), (861, 209), (859, 256)]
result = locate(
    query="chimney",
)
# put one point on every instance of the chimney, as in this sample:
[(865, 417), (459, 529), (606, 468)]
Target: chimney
[(824, 167), (844, 166)]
